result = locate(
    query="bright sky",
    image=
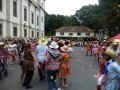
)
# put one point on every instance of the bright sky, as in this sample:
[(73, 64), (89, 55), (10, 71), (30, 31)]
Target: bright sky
[(66, 7)]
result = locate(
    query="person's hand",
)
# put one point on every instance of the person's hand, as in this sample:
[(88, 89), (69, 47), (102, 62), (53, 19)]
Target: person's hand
[(38, 64)]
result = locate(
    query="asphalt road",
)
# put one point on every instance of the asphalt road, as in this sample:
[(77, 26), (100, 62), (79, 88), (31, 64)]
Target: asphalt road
[(83, 70)]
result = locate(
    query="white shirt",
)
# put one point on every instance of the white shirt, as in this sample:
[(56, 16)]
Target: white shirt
[(40, 52), (12, 47)]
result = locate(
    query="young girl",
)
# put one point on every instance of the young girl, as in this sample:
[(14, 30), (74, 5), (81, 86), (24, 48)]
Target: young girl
[(100, 72)]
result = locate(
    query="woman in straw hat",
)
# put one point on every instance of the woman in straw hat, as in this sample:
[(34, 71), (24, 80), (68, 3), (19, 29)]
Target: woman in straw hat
[(64, 69), (111, 70), (52, 61), (4, 55), (40, 52)]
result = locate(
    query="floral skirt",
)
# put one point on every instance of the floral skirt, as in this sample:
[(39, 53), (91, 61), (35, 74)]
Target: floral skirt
[(64, 70)]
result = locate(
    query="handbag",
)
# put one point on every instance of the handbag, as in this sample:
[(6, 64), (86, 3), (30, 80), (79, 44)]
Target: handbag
[(101, 79)]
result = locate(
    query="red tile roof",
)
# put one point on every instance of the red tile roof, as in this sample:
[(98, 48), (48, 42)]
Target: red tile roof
[(74, 29)]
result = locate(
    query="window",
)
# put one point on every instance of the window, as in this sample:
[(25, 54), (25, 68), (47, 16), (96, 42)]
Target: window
[(0, 29), (42, 34), (61, 33), (87, 34), (78, 33), (37, 34), (42, 4), (70, 34), (41, 19), (25, 33), (14, 9), (32, 17), (25, 14), (0, 5), (14, 31), (32, 33), (37, 20)]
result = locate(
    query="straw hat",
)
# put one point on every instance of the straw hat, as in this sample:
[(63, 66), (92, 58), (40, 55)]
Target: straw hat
[(114, 43), (53, 45), (110, 52), (69, 45), (1, 43), (43, 41), (65, 47)]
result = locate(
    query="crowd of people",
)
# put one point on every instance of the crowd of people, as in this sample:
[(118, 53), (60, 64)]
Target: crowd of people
[(52, 58), (108, 56), (50, 55)]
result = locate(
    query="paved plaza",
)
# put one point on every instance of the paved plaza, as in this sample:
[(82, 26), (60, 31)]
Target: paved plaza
[(83, 71)]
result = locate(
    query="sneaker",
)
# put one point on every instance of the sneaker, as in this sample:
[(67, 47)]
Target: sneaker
[(59, 89), (12, 63), (65, 85)]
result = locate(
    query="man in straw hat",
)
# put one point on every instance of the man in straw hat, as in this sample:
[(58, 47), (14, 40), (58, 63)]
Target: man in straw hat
[(111, 70), (40, 52), (52, 60), (4, 55)]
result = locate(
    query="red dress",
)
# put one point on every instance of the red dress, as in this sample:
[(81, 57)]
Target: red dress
[(87, 47)]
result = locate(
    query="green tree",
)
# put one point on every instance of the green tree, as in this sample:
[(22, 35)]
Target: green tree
[(53, 22)]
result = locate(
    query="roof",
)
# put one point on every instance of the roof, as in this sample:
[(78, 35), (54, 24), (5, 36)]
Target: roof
[(74, 29)]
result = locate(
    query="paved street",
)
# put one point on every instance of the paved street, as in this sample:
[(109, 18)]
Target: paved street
[(83, 69)]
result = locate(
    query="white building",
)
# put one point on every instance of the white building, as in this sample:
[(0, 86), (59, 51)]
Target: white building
[(75, 32), (22, 18)]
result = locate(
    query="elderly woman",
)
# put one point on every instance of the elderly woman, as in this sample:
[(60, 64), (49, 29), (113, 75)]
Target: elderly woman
[(52, 61), (29, 59)]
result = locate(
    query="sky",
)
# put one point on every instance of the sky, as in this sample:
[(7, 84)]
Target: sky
[(66, 7)]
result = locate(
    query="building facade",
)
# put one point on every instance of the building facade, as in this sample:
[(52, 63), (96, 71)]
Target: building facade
[(22, 18), (75, 32)]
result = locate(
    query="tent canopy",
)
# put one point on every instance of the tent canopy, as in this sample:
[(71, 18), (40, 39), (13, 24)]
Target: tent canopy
[(117, 36)]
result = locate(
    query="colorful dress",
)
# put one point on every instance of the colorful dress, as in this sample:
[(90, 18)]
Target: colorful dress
[(64, 69), (100, 72), (95, 49), (87, 47)]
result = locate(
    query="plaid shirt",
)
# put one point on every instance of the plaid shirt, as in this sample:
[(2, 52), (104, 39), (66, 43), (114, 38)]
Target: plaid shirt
[(112, 76)]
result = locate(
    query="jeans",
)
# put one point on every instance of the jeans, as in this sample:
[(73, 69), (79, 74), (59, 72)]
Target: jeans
[(41, 72), (4, 68), (51, 79)]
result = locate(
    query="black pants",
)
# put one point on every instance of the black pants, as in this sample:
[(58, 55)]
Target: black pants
[(3, 68), (28, 77)]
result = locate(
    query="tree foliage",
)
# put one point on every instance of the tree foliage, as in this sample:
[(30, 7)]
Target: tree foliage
[(101, 16), (53, 22), (104, 16)]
